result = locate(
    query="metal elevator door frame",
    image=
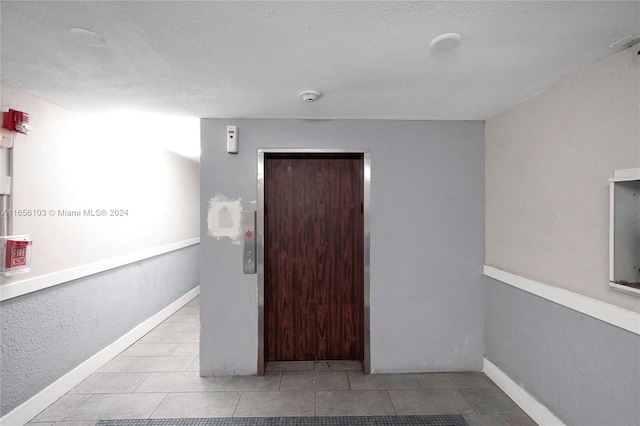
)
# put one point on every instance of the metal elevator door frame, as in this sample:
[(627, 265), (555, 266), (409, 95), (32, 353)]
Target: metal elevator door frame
[(366, 183)]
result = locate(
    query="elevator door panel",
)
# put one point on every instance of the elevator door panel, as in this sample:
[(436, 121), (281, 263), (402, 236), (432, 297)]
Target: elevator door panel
[(314, 257)]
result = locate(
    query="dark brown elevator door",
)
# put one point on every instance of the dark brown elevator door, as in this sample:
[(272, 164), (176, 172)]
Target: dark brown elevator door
[(314, 257)]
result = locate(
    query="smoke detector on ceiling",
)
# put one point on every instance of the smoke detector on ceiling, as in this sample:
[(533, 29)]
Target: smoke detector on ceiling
[(626, 42), (310, 95), (445, 42), (86, 37)]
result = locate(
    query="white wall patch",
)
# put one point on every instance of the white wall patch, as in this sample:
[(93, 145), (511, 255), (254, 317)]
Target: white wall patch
[(224, 218)]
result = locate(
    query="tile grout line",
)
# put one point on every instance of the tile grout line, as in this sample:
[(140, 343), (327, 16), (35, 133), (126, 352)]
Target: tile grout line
[(395, 410), (415, 377), (72, 411), (177, 347), (507, 420), (469, 402), (143, 380), (237, 403), (159, 404)]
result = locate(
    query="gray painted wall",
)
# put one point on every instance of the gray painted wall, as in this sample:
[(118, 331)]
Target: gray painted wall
[(48, 333), (583, 369), (427, 240)]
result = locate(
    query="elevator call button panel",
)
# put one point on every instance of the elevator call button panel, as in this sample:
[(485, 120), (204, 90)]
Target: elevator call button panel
[(249, 242)]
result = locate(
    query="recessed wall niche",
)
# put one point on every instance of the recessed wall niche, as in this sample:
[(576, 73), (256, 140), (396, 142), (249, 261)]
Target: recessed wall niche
[(624, 230)]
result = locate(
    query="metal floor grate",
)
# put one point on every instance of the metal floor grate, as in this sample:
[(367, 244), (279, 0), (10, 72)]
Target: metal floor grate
[(443, 420)]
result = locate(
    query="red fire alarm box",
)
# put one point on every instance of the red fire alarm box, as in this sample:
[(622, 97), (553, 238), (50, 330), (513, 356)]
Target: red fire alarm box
[(16, 121), (15, 253)]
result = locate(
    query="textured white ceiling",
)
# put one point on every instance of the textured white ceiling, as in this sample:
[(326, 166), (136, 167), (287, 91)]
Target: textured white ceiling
[(251, 59)]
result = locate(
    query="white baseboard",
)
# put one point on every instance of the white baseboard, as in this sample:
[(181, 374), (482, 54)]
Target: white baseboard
[(33, 406), (538, 412)]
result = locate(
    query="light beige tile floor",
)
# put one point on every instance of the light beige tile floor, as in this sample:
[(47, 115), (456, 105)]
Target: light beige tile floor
[(157, 377)]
